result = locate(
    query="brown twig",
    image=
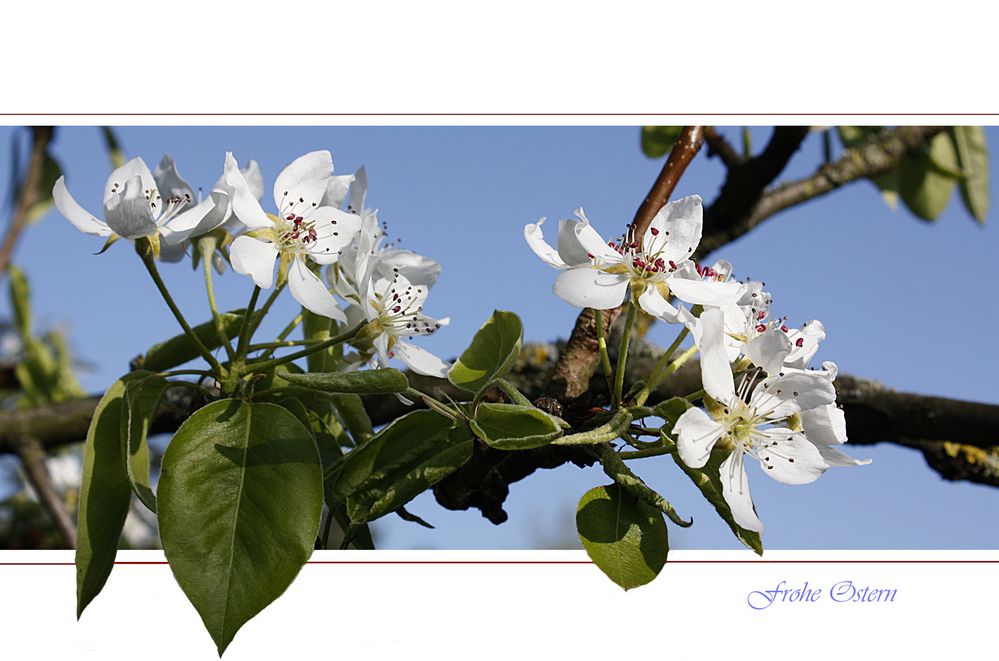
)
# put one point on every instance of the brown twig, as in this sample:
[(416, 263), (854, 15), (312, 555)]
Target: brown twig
[(722, 148), (32, 456), (29, 194)]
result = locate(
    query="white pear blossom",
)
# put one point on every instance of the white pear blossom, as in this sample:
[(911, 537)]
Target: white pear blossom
[(599, 274), (135, 206), (394, 310), (304, 229)]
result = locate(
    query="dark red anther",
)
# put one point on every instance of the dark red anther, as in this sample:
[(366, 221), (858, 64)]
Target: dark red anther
[(291, 217), (800, 342), (397, 309), (700, 269), (654, 231), (589, 255), (672, 265), (760, 315), (761, 328), (784, 328)]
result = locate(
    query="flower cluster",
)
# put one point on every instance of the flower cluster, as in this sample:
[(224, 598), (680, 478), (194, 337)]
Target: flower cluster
[(381, 286), (782, 414)]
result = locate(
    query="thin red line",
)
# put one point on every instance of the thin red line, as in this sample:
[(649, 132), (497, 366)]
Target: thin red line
[(550, 562)]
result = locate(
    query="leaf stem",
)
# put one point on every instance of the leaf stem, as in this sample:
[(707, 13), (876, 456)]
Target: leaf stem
[(598, 319), (145, 253), (244, 331), (622, 356), (658, 371), (270, 364), (207, 247)]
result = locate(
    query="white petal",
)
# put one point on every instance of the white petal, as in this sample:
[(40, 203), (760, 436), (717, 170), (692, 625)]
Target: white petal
[(183, 224), (594, 245), (536, 240), (419, 269), (335, 229), (420, 360), (825, 426), (696, 434), (336, 192), (735, 491), (653, 303), (587, 287), (570, 250), (678, 226), (705, 292), (716, 372), (133, 168), (781, 396), (381, 349), (311, 293), (169, 181), (128, 212), (768, 350), (358, 191), (245, 206), (254, 258), (788, 457), (808, 337), (74, 213), (302, 184)]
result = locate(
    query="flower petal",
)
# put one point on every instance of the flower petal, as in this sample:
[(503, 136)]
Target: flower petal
[(133, 168), (716, 372), (128, 212), (768, 350), (653, 303), (675, 231), (420, 360), (254, 258), (536, 240), (587, 287), (805, 342), (708, 293), (302, 184), (781, 396), (420, 270), (182, 226), (788, 457), (311, 293), (735, 491), (825, 426), (569, 249), (169, 181), (74, 213), (696, 434), (594, 245), (335, 230), (245, 206), (358, 190)]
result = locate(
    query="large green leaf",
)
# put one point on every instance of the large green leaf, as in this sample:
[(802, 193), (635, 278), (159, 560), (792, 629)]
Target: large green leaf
[(657, 141), (926, 180), (180, 349), (491, 355), (400, 462), (105, 495), (354, 416), (319, 328), (377, 381), (625, 536), (514, 427), (240, 498), (973, 156), (142, 398)]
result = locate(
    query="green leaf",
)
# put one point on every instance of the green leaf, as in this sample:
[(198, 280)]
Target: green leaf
[(617, 470), (670, 411), (926, 180), (514, 427), (240, 498), (105, 495), (625, 537), (854, 136), (354, 416), (400, 462), (491, 355), (377, 381), (318, 328), (20, 298), (180, 349), (142, 398), (973, 156), (658, 140)]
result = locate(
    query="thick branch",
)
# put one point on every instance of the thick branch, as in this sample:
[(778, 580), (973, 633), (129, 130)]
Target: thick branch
[(743, 204), (722, 148), (29, 196)]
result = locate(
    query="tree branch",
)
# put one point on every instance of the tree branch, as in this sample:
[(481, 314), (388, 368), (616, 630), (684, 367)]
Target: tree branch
[(32, 456), (744, 202), (29, 196), (722, 148)]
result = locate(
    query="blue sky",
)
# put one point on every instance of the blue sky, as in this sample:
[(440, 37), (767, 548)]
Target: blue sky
[(906, 302)]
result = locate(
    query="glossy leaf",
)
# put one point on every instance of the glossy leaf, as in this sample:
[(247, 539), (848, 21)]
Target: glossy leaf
[(657, 141), (491, 355), (623, 535), (927, 180), (973, 156), (240, 498), (377, 381), (179, 349), (514, 426), (400, 462), (105, 494), (142, 398)]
